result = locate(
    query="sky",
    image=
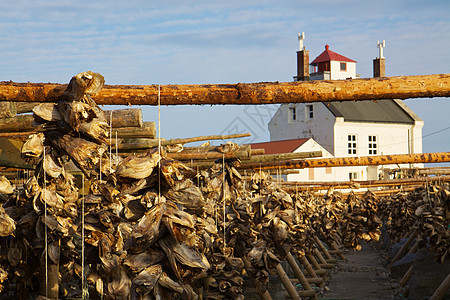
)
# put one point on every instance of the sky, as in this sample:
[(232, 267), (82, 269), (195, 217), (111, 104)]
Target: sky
[(195, 42)]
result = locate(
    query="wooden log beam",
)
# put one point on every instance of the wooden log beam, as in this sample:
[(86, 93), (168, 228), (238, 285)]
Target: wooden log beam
[(146, 131), (155, 142), (442, 289), (7, 109), (362, 183), (131, 117), (208, 155), (287, 283), (352, 161), (400, 87), (283, 156)]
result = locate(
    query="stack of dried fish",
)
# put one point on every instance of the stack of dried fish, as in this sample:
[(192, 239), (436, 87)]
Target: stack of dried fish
[(426, 210), (398, 212), (144, 230)]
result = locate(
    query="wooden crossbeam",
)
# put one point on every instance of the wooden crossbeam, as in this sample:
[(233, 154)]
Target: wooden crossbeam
[(352, 161), (400, 87)]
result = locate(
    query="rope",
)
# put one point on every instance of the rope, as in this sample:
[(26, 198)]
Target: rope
[(159, 142), (224, 201), (110, 139), (117, 147), (83, 274), (45, 229)]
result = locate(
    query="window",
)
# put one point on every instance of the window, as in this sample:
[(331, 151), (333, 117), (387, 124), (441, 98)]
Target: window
[(351, 144), (353, 175), (373, 147), (343, 66), (292, 114), (309, 112)]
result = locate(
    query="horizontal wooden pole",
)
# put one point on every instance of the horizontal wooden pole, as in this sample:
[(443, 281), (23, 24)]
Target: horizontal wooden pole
[(155, 142), (131, 117), (400, 87), (352, 161), (146, 131), (364, 183), (283, 156)]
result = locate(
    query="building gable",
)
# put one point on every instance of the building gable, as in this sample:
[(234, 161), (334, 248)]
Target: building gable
[(277, 147)]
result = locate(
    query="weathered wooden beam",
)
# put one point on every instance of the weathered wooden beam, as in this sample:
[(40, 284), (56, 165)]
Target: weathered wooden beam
[(352, 161), (131, 117), (155, 143), (400, 87), (7, 109), (283, 156), (208, 155), (363, 183), (146, 131)]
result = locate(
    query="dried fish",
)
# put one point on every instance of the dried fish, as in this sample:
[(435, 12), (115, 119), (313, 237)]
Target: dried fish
[(7, 224), (47, 111), (33, 147), (137, 167), (145, 281), (5, 186)]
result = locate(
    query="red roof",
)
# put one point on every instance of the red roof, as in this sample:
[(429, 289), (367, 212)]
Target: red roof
[(276, 147), (329, 55)]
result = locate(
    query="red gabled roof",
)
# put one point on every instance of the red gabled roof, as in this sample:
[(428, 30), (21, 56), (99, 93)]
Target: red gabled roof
[(329, 55), (276, 147)]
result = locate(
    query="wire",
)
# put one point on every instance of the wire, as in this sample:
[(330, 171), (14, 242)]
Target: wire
[(159, 142), (45, 229)]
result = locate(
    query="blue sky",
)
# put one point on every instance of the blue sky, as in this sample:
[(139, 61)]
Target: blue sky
[(178, 42)]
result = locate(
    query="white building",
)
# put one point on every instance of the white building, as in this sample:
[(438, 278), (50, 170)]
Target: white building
[(347, 128)]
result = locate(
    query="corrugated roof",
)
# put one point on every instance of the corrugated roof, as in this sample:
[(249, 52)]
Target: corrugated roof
[(276, 147), (329, 55), (386, 111)]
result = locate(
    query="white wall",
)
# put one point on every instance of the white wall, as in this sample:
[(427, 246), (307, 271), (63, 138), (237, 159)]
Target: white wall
[(281, 128), (337, 74), (391, 139), (313, 174)]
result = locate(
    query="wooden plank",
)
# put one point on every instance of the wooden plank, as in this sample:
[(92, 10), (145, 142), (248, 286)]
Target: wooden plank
[(400, 87)]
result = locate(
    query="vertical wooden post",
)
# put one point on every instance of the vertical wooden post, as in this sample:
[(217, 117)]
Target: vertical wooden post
[(299, 274), (310, 270), (334, 246), (406, 277), (316, 265), (323, 249), (442, 289), (287, 283), (404, 248), (264, 295), (414, 248)]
